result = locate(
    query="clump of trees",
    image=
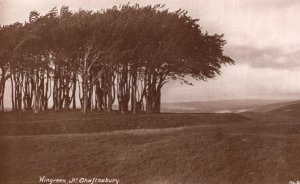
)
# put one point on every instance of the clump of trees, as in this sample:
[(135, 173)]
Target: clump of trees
[(124, 54)]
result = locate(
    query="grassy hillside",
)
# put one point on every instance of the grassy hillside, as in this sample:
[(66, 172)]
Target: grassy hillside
[(165, 148), (70, 122), (274, 106), (292, 110)]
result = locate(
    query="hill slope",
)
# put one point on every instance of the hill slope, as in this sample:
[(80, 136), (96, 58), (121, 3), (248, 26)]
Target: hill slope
[(292, 110), (274, 106)]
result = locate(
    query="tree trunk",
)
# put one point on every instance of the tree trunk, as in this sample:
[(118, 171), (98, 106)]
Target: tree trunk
[(12, 92), (2, 87), (74, 91), (85, 87)]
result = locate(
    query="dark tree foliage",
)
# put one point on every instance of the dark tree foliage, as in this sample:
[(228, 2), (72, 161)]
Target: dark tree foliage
[(124, 54)]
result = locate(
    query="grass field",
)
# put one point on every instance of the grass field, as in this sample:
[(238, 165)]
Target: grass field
[(159, 149)]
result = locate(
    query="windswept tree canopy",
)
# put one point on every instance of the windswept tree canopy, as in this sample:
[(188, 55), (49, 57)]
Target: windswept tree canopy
[(126, 53)]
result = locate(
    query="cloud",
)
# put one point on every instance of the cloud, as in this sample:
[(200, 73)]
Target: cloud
[(265, 58), (278, 4)]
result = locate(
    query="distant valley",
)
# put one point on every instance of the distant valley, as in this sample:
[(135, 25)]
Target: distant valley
[(226, 106)]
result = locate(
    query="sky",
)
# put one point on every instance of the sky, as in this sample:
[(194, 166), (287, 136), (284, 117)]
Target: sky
[(263, 37)]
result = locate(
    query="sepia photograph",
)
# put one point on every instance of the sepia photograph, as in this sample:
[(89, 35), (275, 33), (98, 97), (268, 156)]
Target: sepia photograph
[(150, 92)]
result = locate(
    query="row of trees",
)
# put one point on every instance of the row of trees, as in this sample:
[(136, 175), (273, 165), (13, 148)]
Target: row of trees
[(124, 54)]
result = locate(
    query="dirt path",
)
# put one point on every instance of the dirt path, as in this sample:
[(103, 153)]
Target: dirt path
[(151, 131)]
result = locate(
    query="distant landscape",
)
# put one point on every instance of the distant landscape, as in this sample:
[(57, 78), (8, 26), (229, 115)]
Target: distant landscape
[(226, 106)]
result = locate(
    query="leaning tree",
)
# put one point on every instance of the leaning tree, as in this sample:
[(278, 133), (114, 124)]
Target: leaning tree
[(123, 54)]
